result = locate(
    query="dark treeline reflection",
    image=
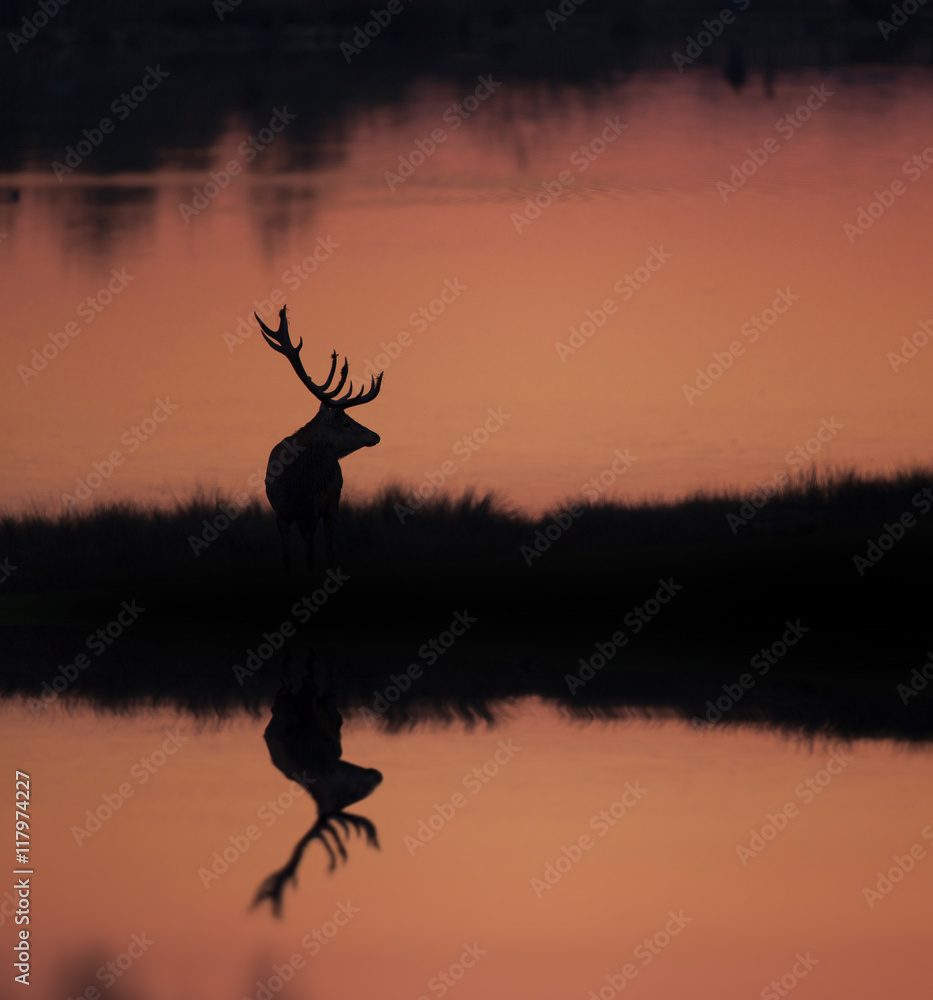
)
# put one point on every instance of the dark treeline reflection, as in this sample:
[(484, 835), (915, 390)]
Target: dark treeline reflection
[(234, 61), (823, 680), (101, 90)]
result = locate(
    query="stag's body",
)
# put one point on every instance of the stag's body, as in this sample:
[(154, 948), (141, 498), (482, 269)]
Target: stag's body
[(303, 484), (303, 477)]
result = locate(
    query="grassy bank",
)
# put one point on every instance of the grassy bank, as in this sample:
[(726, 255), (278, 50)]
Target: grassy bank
[(209, 541), (399, 551), (683, 595)]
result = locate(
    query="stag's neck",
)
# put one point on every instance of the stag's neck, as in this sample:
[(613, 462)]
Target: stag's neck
[(309, 439)]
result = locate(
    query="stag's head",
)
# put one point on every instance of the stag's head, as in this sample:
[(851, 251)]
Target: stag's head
[(333, 425), (338, 429)]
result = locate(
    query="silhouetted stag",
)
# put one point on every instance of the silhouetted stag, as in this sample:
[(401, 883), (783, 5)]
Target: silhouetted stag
[(304, 743), (303, 477)]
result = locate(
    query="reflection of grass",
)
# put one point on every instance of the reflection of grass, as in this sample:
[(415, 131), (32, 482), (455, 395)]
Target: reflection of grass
[(122, 545), (534, 623)]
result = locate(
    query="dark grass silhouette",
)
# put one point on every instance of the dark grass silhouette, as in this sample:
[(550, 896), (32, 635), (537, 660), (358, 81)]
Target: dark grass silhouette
[(406, 576), (196, 546)]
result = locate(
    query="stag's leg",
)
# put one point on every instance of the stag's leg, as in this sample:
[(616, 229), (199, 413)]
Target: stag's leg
[(308, 528), (330, 531), (285, 533)]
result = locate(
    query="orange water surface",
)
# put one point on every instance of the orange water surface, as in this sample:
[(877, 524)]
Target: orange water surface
[(476, 861), (169, 334)]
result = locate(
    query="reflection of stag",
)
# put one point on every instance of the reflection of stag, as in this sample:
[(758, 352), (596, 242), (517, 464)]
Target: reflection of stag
[(304, 742), (303, 477)]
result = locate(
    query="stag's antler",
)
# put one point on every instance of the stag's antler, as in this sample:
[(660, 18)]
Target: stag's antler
[(274, 886), (280, 341)]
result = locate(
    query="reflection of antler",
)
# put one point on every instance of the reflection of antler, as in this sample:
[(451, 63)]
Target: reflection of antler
[(274, 886), (304, 743), (362, 825)]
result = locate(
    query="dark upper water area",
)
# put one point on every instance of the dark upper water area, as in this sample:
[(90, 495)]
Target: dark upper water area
[(67, 67)]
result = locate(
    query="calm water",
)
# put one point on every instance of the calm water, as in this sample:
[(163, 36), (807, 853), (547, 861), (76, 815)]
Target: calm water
[(655, 286), (666, 812), (469, 295)]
